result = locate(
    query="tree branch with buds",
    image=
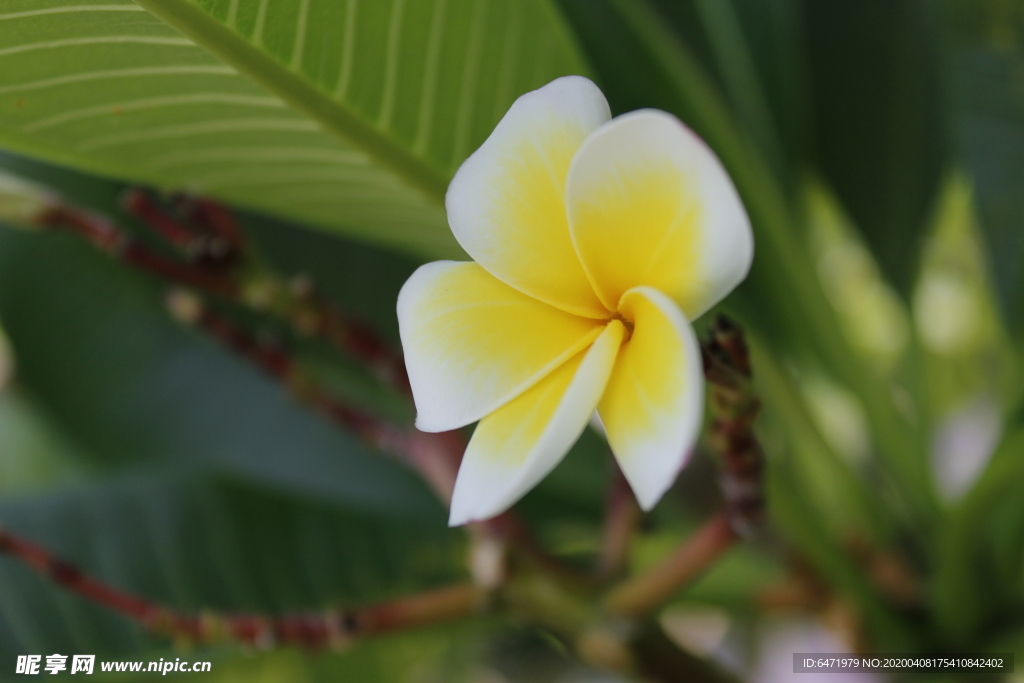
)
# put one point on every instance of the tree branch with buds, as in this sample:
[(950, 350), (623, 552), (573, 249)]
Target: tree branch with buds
[(209, 258), (333, 629)]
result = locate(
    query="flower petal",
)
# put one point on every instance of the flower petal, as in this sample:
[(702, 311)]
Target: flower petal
[(472, 343), (653, 406), (650, 205), (516, 446), (506, 203)]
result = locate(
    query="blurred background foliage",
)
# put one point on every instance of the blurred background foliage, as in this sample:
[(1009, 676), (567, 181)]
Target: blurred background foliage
[(878, 146)]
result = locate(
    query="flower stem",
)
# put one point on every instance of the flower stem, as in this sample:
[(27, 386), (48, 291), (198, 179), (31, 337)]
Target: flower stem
[(435, 456), (334, 629)]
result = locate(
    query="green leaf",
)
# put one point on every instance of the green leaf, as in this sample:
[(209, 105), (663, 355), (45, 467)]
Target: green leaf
[(447, 652), (129, 387), (351, 116), (991, 126), (753, 49), (850, 89), (782, 299), (196, 544), (802, 527), (879, 114), (977, 576)]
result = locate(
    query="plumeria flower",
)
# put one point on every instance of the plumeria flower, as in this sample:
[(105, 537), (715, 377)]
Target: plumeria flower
[(596, 241)]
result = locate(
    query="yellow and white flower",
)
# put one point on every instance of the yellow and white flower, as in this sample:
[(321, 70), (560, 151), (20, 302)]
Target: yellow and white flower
[(596, 241)]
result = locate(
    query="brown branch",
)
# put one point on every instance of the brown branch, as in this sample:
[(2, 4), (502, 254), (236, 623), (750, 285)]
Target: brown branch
[(328, 629), (435, 456), (218, 262), (213, 240), (138, 203), (112, 240), (645, 592)]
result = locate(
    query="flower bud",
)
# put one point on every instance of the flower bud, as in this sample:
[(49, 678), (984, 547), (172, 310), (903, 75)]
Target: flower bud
[(23, 203)]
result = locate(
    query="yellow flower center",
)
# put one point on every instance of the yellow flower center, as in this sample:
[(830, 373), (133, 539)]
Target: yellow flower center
[(626, 322)]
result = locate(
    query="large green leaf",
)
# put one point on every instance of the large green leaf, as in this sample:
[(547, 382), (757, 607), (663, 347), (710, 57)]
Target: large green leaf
[(988, 61), (879, 113), (196, 544), (782, 299), (348, 115), (754, 50), (978, 572), (849, 88)]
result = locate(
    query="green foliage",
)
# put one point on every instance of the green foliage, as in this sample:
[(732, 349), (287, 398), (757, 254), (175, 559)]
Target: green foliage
[(880, 125), (200, 543), (167, 466), (979, 584), (130, 386), (277, 105), (988, 61)]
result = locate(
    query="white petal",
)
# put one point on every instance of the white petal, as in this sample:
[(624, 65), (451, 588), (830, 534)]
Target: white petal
[(515, 447), (506, 204), (653, 406), (472, 343), (650, 205)]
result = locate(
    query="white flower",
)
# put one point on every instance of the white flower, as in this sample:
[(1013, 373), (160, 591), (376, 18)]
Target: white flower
[(596, 241)]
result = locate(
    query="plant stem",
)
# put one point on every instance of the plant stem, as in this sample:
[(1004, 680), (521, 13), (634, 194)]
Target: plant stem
[(329, 629), (220, 263), (297, 303), (642, 594), (112, 240), (435, 456)]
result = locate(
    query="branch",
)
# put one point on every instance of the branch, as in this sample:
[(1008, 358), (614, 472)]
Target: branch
[(298, 303), (217, 260), (645, 592), (119, 244), (435, 456), (334, 629)]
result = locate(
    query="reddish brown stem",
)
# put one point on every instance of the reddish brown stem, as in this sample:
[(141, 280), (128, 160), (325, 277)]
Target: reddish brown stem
[(333, 628), (435, 456), (301, 305), (109, 238), (215, 218), (138, 203)]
